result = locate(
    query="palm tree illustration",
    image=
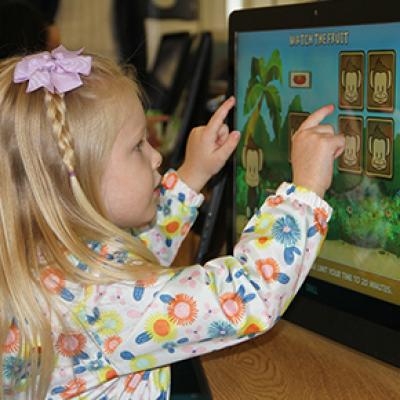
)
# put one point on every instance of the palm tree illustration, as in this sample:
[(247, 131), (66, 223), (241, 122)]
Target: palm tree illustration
[(261, 89)]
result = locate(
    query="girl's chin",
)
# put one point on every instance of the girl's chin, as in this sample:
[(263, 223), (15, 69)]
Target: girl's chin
[(152, 217)]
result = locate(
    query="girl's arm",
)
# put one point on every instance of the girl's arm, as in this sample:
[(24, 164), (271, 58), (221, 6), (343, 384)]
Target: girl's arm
[(181, 313), (176, 213)]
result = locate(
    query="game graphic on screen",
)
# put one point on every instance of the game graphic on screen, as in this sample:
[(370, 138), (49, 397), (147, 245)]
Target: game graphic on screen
[(283, 75)]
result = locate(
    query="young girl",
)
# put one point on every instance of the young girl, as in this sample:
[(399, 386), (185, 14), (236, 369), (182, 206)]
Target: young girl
[(86, 310)]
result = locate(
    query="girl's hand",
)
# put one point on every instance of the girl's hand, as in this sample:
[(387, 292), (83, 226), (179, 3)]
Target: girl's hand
[(208, 148), (314, 148)]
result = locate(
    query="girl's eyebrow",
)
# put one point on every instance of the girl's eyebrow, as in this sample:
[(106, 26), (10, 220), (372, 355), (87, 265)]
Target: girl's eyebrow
[(138, 129), (139, 138)]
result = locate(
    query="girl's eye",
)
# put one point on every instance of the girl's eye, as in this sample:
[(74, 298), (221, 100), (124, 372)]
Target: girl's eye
[(139, 146)]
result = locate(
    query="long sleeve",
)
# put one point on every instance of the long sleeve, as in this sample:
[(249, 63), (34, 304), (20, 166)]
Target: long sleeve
[(200, 309), (176, 212)]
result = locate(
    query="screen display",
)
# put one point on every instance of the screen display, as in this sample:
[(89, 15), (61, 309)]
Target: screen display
[(283, 75)]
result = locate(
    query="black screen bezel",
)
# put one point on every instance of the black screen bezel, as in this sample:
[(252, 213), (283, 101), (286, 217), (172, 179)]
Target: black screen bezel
[(359, 321)]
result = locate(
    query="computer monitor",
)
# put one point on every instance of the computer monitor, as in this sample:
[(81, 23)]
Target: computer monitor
[(286, 62)]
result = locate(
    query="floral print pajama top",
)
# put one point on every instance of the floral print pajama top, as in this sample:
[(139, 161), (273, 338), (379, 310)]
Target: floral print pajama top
[(128, 333)]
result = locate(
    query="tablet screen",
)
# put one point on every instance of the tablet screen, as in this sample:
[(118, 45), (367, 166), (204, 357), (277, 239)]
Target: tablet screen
[(280, 77)]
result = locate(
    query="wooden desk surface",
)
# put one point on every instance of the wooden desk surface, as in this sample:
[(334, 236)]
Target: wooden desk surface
[(292, 363)]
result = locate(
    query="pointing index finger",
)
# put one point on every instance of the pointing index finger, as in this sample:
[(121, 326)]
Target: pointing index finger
[(317, 117), (219, 116)]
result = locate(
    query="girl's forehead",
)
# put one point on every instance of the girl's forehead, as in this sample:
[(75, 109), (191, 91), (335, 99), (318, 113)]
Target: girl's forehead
[(132, 103), (133, 117)]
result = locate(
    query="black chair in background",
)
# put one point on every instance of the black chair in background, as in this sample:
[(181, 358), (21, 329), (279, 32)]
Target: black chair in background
[(164, 84), (191, 108)]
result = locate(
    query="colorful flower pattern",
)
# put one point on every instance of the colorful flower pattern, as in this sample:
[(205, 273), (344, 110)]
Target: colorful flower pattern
[(124, 334)]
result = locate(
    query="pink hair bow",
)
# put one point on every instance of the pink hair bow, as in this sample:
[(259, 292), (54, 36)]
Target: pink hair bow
[(56, 71)]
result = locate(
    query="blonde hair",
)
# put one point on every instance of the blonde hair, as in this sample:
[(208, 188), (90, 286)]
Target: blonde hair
[(52, 155)]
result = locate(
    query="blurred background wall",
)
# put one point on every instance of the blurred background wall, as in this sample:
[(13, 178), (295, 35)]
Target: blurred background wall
[(88, 23)]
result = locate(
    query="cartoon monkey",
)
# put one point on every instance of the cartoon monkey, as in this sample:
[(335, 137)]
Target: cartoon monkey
[(351, 82), (379, 148), (352, 146), (252, 160), (380, 81)]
